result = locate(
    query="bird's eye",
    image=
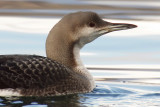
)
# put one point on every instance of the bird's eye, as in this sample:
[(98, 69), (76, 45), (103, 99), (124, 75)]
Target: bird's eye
[(92, 24)]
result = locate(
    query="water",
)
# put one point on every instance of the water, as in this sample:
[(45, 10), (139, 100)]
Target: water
[(125, 64)]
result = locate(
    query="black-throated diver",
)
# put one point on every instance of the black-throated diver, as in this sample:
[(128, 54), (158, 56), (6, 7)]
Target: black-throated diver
[(62, 71)]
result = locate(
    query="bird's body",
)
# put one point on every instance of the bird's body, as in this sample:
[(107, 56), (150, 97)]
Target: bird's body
[(39, 76), (61, 72)]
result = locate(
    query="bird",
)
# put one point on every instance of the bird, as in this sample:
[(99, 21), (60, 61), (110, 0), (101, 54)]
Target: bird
[(61, 72)]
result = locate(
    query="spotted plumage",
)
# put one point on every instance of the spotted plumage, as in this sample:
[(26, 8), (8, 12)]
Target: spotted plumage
[(37, 75)]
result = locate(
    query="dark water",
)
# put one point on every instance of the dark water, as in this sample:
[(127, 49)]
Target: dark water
[(104, 95), (125, 65)]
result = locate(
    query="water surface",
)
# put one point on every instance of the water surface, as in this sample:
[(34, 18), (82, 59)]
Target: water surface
[(125, 64)]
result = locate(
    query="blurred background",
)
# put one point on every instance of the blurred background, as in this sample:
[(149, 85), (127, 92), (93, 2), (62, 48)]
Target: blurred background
[(24, 26)]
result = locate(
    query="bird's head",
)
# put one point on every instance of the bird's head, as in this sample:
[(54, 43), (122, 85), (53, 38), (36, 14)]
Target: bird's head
[(87, 26)]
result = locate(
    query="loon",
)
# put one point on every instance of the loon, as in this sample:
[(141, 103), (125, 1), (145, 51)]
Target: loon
[(62, 71)]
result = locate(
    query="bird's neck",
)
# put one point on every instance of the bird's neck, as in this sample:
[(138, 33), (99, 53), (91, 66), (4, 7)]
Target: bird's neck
[(76, 54), (65, 52)]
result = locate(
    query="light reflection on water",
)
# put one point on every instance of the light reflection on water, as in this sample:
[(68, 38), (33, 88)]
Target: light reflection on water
[(137, 48), (106, 94)]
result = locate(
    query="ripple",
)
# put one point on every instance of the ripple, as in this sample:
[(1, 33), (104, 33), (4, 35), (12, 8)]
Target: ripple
[(106, 91)]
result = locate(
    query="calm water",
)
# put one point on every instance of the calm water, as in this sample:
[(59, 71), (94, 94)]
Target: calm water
[(125, 64)]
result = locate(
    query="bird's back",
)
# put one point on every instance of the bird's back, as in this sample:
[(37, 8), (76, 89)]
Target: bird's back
[(39, 76)]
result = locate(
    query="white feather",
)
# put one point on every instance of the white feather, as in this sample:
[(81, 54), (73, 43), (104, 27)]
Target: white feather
[(9, 92)]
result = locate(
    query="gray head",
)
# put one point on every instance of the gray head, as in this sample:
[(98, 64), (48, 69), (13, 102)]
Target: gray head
[(76, 30), (85, 27)]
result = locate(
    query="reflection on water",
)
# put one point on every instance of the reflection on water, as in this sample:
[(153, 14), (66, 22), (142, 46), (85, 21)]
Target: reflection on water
[(105, 94), (70, 100), (125, 64)]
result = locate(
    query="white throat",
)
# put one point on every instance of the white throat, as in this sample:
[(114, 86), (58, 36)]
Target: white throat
[(80, 68), (85, 36), (76, 53)]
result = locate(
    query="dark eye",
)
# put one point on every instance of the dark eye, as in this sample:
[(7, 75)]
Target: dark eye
[(92, 24)]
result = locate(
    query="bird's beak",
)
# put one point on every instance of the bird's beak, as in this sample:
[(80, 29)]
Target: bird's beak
[(110, 27), (120, 26)]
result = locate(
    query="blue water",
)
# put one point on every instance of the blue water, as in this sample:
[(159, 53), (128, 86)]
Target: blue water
[(105, 94), (125, 64)]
